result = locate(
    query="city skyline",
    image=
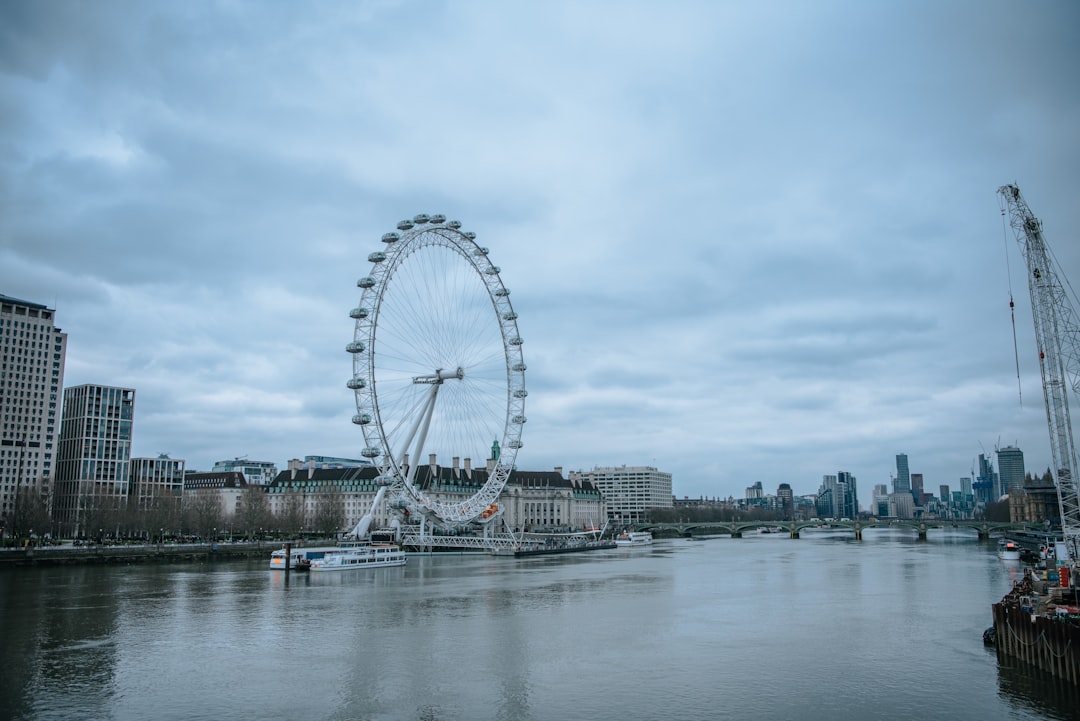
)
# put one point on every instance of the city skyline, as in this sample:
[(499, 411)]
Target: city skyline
[(744, 245)]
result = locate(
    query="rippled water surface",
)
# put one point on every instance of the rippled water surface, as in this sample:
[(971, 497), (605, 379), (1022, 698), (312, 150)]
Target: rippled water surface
[(766, 627)]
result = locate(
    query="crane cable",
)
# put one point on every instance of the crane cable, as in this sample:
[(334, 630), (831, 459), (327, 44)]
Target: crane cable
[(1012, 306)]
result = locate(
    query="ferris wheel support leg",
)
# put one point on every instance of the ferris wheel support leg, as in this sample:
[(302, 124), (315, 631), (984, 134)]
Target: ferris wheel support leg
[(424, 424)]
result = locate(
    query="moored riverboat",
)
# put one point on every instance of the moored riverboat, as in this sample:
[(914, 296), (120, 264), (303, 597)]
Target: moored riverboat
[(300, 558), (360, 555), (633, 538), (545, 549), (1008, 550)]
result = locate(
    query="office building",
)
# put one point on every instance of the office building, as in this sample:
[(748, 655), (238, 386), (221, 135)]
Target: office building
[(32, 355), (157, 485), (917, 488), (987, 487), (902, 483), (93, 458), (785, 500), (1010, 469), (837, 496), (256, 473), (629, 491)]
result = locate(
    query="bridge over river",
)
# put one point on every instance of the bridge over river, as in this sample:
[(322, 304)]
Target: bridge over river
[(736, 529)]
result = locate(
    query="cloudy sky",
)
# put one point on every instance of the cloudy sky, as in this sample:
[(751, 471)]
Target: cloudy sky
[(746, 241)]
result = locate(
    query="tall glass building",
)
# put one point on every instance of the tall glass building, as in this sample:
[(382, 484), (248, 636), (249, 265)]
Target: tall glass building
[(93, 467), (32, 355), (902, 484), (1011, 469)]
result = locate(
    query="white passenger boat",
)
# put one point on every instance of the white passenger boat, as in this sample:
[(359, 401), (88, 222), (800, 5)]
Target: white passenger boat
[(1008, 551), (633, 538), (360, 555), (300, 559)]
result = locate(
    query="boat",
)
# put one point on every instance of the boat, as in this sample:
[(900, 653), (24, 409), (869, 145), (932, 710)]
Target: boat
[(633, 538), (1008, 550), (359, 555), (300, 557), (545, 549)]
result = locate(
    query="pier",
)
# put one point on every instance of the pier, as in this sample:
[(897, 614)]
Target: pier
[(1041, 631)]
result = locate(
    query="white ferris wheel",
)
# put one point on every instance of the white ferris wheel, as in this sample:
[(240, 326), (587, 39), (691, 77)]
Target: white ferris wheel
[(437, 367)]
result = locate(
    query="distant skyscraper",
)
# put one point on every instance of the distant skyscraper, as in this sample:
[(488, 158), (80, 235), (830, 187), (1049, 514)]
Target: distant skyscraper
[(1011, 469), (32, 354), (917, 488), (986, 483), (93, 458), (837, 497), (965, 487), (851, 494), (902, 484), (943, 493), (786, 501)]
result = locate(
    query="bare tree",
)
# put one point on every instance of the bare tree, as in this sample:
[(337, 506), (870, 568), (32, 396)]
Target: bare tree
[(31, 513), (329, 513), (203, 512), (292, 514), (254, 511), (163, 516)]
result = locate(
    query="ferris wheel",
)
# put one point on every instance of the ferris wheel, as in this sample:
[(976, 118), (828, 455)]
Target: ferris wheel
[(437, 367)]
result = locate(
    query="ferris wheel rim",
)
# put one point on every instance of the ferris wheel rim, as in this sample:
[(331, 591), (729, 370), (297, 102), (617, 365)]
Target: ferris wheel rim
[(422, 235)]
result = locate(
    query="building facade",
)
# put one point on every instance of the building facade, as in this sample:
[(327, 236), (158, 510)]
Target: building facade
[(987, 487), (902, 484), (1036, 502), (629, 491), (838, 497), (785, 500), (1010, 469), (93, 457), (156, 482), (533, 501), (257, 473), (32, 356)]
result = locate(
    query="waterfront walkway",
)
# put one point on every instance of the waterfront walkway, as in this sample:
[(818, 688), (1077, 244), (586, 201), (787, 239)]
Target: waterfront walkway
[(132, 553)]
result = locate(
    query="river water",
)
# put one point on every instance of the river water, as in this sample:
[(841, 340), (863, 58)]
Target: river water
[(762, 627)]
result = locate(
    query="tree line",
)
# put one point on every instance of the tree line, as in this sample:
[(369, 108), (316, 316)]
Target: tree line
[(198, 513)]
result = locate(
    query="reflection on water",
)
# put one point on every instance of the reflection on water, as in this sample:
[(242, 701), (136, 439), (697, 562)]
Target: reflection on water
[(1023, 687), (763, 627)]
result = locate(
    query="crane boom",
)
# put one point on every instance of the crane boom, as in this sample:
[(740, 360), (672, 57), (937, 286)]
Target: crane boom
[(1057, 335)]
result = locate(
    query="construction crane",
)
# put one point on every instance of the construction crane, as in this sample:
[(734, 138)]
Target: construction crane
[(1057, 336)]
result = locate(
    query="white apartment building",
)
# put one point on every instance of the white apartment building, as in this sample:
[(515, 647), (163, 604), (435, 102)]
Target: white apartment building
[(629, 491), (32, 355), (256, 473)]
